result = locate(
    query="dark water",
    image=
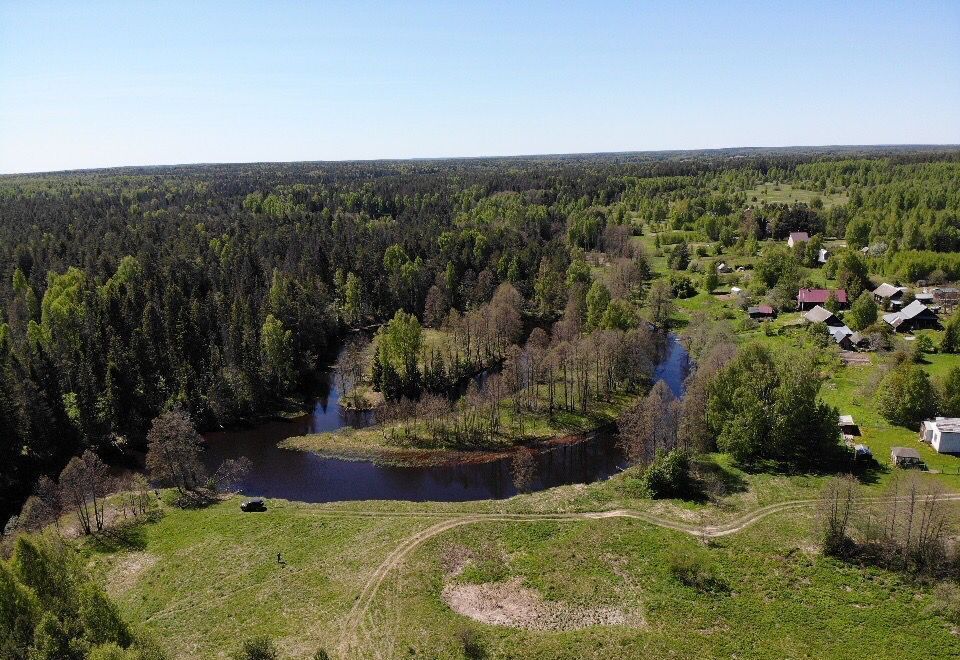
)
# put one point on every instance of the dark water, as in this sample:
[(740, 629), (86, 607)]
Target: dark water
[(307, 477)]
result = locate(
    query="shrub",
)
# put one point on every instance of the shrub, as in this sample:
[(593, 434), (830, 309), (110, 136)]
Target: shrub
[(694, 571), (473, 648), (682, 287), (947, 597), (668, 475), (257, 648)]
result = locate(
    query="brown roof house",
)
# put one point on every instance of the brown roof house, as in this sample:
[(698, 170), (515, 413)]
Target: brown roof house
[(808, 298), (761, 312)]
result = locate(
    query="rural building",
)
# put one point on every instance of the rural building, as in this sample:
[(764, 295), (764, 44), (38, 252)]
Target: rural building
[(947, 297), (823, 256), (942, 433), (722, 267), (914, 316), (862, 452), (761, 312), (843, 337), (797, 237), (822, 315), (848, 427), (808, 298), (888, 294), (905, 457)]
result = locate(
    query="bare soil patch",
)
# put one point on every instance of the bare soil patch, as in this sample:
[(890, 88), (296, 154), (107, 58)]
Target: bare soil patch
[(511, 604), (852, 358)]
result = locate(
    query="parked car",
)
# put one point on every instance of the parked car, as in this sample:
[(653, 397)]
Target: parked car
[(254, 504)]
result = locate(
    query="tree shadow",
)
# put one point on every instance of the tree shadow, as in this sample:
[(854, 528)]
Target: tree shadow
[(710, 480), (842, 461), (196, 499), (127, 536)]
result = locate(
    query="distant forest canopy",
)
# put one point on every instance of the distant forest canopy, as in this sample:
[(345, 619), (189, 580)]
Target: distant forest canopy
[(221, 288)]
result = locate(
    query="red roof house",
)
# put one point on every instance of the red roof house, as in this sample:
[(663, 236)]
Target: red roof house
[(808, 298)]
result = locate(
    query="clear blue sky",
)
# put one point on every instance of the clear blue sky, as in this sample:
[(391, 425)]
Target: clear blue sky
[(90, 84)]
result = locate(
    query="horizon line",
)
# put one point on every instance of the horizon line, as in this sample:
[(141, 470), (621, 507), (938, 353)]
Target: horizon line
[(827, 147)]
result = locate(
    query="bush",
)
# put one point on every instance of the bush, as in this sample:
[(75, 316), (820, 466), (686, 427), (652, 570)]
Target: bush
[(668, 475), (472, 645), (947, 605), (694, 571), (257, 648), (682, 287)]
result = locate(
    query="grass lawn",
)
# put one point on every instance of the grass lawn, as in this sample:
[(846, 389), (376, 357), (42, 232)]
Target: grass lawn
[(785, 193), (777, 597), (203, 580)]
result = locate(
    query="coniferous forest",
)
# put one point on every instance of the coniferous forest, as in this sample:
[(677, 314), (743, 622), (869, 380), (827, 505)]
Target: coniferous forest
[(221, 289)]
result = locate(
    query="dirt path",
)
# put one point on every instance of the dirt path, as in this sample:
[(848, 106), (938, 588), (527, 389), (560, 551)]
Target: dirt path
[(350, 639)]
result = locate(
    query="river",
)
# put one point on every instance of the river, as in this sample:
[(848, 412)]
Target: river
[(308, 477)]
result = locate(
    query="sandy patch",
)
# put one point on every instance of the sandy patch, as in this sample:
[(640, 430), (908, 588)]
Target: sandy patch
[(511, 604), (128, 569)]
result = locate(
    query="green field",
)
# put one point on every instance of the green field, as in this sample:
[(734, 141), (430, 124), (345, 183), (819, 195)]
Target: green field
[(784, 193), (368, 580)]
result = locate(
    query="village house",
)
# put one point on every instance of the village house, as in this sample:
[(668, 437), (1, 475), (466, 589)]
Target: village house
[(889, 295), (843, 337), (797, 237), (905, 457), (808, 298), (914, 316), (822, 315), (942, 433), (761, 312)]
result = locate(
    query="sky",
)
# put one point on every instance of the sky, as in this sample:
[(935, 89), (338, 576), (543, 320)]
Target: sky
[(96, 84)]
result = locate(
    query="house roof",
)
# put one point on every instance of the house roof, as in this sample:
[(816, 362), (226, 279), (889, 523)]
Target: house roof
[(914, 309), (923, 296), (760, 309), (839, 332), (820, 296), (905, 452), (946, 424), (819, 315), (888, 290), (799, 236), (847, 420)]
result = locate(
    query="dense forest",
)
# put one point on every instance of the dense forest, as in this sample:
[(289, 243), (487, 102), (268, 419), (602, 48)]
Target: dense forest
[(221, 289)]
